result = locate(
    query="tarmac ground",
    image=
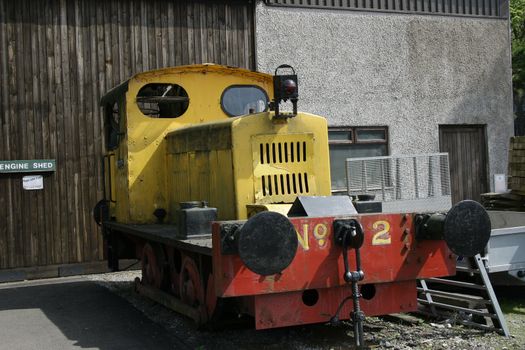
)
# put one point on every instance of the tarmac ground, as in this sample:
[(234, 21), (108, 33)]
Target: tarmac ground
[(72, 313)]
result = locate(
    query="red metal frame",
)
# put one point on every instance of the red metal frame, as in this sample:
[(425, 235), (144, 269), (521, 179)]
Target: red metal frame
[(391, 259)]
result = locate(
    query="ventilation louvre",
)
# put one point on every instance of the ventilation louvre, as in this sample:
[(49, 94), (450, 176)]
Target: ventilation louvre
[(283, 152), (285, 184), (283, 167)]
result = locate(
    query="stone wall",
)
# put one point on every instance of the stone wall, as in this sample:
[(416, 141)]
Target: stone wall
[(409, 72)]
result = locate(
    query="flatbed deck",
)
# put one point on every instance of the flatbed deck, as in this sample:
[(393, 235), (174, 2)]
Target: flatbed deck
[(164, 233)]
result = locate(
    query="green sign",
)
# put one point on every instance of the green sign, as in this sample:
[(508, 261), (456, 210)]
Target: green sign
[(27, 166)]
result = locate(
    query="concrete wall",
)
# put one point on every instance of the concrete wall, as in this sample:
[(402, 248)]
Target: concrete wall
[(409, 72)]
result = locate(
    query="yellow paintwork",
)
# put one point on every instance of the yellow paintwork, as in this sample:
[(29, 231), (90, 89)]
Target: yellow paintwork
[(247, 168), (220, 162), (204, 154), (278, 208)]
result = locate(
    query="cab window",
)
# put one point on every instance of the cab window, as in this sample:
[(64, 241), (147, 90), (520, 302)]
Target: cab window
[(160, 100), (239, 100)]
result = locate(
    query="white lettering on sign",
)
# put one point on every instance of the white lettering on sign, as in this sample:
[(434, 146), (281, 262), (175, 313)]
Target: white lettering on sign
[(27, 166), (14, 166), (42, 165), (33, 182)]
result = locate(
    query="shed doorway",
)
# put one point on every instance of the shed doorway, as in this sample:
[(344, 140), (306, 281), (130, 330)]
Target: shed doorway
[(467, 149)]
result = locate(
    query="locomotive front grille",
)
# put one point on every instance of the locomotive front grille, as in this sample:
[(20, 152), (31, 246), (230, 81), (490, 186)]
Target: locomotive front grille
[(285, 184), (282, 152), (282, 167)]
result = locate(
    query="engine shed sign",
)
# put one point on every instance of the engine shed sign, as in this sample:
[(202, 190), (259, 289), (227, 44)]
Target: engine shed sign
[(27, 166)]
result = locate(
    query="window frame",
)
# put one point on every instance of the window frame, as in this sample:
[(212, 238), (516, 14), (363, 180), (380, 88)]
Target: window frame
[(149, 116), (243, 86), (354, 139), (353, 130)]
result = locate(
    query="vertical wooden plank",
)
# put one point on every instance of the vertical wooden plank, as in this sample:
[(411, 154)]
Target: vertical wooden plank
[(81, 132), (30, 197), (158, 14), (215, 33), (41, 135), (69, 119), (23, 248), (182, 41), (78, 135), (85, 127), (100, 44), (39, 223), (4, 142), (47, 211), (97, 118), (91, 117), (249, 33), (207, 33), (197, 17), (110, 43), (62, 155), (54, 189), (124, 43), (144, 38), (190, 45), (238, 24), (77, 114), (165, 28), (118, 42), (183, 18), (151, 22), (138, 47), (231, 39), (223, 34), (170, 33), (203, 33)]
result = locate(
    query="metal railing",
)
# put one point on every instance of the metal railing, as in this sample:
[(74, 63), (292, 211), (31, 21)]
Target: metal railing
[(403, 183)]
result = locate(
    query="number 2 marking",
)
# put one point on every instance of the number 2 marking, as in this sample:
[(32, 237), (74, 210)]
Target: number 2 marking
[(381, 237)]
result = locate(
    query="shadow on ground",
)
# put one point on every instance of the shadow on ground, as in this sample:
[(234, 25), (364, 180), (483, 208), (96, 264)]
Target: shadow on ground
[(75, 314)]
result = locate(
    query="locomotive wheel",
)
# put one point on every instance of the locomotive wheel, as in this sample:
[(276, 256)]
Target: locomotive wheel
[(211, 297), (191, 288), (174, 261), (153, 262)]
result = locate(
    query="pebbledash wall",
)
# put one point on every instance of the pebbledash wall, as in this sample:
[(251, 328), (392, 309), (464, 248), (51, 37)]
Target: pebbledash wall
[(411, 72)]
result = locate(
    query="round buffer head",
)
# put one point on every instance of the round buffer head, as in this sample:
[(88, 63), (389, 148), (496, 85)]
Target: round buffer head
[(467, 228), (267, 243)]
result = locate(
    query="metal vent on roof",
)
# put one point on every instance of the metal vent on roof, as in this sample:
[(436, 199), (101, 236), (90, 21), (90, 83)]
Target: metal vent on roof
[(476, 8)]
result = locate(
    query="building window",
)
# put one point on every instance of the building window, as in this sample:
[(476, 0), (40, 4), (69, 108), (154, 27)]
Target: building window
[(353, 142)]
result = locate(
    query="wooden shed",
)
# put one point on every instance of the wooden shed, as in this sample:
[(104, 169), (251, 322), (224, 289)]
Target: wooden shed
[(57, 58)]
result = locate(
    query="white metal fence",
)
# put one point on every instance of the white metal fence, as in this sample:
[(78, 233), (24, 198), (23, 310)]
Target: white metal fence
[(403, 183)]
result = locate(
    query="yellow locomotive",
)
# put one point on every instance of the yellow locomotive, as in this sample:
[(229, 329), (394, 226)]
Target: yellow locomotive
[(195, 151), (174, 136)]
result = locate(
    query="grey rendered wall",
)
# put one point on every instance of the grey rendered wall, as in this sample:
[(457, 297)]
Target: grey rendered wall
[(410, 72)]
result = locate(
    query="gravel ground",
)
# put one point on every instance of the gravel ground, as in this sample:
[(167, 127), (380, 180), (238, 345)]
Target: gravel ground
[(397, 332)]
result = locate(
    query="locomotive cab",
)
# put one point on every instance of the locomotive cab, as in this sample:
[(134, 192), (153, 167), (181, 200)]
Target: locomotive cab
[(139, 113)]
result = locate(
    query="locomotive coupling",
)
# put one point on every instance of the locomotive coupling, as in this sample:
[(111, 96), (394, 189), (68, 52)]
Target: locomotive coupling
[(350, 234), (465, 228), (266, 243)]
